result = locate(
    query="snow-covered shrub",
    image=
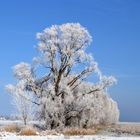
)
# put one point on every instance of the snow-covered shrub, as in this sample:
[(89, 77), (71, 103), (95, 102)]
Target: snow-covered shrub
[(62, 95)]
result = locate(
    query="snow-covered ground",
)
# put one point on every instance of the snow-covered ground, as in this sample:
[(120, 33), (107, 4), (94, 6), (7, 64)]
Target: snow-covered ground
[(12, 136), (102, 136), (96, 137), (16, 122), (8, 122)]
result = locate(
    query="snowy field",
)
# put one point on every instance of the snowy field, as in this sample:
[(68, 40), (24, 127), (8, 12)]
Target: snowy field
[(96, 137), (8, 122), (16, 122), (101, 136), (11, 136)]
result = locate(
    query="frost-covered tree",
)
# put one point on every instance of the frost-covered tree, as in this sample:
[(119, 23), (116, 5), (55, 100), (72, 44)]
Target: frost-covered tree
[(62, 95), (22, 104)]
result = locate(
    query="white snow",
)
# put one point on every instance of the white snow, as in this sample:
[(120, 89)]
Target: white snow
[(10, 136), (8, 122)]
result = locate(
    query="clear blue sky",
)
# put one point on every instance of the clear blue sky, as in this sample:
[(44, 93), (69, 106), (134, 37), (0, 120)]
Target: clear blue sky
[(114, 25)]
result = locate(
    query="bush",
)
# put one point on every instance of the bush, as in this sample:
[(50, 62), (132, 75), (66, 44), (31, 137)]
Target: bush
[(11, 128), (28, 131)]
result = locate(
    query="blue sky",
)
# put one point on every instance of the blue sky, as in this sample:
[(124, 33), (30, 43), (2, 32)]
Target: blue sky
[(114, 25)]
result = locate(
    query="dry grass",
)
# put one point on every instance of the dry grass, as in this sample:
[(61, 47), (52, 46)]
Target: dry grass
[(11, 128), (28, 131), (129, 128), (49, 132), (77, 131)]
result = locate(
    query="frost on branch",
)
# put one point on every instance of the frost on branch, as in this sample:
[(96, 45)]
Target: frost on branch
[(22, 71), (63, 97)]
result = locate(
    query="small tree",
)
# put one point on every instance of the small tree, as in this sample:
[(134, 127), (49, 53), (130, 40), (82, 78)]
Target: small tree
[(21, 101), (64, 97)]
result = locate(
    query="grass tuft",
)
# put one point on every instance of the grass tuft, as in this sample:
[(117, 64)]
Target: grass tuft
[(11, 128), (28, 131)]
